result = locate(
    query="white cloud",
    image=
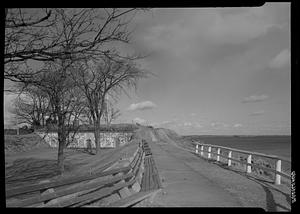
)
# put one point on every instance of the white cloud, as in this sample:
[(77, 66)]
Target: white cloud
[(255, 98), (167, 123), (280, 60), (139, 120), (197, 125), (240, 27), (237, 125), (180, 35), (187, 124), (257, 113), (219, 125), (141, 106)]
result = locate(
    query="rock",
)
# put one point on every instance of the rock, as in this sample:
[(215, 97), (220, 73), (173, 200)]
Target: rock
[(136, 187)]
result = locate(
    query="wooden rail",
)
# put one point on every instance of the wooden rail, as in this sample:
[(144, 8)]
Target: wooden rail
[(151, 180), (249, 163), (87, 189)]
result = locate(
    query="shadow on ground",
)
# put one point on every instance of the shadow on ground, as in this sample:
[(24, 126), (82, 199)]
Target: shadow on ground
[(265, 183), (30, 170)]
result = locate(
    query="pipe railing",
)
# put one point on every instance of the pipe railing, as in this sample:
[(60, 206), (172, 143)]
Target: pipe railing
[(249, 163)]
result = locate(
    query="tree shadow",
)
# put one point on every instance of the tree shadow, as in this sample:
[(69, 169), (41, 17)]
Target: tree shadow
[(84, 150), (266, 185), (27, 171), (30, 170)]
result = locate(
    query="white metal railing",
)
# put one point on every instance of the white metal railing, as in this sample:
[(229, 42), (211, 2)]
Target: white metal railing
[(249, 164)]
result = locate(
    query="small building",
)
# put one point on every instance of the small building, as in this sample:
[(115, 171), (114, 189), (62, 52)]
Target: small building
[(110, 137)]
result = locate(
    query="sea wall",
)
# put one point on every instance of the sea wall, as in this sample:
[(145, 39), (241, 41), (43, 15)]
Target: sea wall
[(107, 139)]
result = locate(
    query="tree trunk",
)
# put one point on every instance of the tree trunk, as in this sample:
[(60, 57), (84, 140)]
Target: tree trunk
[(61, 133), (60, 159), (97, 135)]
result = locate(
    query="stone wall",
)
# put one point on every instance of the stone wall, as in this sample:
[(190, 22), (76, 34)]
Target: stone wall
[(107, 139)]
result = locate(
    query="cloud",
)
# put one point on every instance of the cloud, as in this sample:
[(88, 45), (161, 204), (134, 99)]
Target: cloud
[(167, 123), (197, 125), (219, 125), (139, 120), (141, 106), (280, 60), (187, 124), (257, 113), (255, 98), (242, 26), (237, 125)]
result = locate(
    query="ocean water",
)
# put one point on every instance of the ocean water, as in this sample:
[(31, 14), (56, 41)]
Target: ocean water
[(271, 145)]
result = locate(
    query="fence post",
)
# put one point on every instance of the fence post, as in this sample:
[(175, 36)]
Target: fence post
[(229, 156), (218, 156), (196, 148), (201, 148), (249, 162), (278, 169), (209, 153)]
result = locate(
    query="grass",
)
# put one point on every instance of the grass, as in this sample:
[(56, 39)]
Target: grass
[(21, 143), (25, 165)]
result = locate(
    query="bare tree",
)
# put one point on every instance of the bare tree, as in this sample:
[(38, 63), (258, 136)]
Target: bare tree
[(66, 103), (62, 39), (107, 77), (110, 113), (31, 107), (51, 34)]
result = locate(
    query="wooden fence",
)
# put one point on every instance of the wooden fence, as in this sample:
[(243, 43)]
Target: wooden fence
[(123, 183), (202, 148)]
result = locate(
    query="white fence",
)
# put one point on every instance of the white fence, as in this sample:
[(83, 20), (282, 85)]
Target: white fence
[(202, 148)]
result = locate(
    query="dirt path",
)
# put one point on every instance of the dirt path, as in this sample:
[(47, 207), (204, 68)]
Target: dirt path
[(191, 181), (183, 186)]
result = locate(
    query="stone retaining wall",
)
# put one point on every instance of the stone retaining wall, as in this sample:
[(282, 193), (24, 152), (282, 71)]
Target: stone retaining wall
[(107, 139)]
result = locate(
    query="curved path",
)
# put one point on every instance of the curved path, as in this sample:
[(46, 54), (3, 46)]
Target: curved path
[(182, 184)]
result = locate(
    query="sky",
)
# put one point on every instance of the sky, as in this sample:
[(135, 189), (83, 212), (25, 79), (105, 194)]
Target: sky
[(217, 71)]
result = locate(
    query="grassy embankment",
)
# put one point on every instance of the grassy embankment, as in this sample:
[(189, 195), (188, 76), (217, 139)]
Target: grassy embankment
[(29, 159)]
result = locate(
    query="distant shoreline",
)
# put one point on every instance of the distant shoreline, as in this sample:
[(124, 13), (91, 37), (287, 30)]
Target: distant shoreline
[(279, 145)]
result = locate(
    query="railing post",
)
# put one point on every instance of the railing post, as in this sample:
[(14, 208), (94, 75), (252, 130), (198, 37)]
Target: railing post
[(278, 169), (209, 153), (218, 156), (197, 148), (201, 149), (229, 156), (249, 162)]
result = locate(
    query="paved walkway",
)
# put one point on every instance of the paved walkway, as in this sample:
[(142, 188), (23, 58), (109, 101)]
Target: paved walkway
[(182, 184)]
